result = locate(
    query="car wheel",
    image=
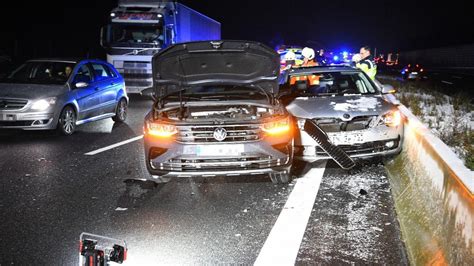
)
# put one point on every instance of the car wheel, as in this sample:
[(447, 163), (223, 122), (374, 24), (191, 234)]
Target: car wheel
[(67, 121), (121, 111), (280, 177)]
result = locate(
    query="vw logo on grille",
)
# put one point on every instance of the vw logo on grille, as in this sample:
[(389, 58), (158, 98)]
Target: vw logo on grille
[(3, 104), (220, 134), (346, 116)]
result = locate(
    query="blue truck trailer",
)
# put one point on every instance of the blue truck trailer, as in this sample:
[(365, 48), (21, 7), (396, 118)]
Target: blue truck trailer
[(138, 29)]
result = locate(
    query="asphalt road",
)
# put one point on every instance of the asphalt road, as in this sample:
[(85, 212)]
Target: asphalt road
[(52, 192)]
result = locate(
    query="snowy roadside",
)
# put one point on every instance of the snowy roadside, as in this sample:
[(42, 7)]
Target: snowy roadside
[(449, 118)]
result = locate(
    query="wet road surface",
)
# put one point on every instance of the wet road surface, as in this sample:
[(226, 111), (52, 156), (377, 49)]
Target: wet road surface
[(52, 192)]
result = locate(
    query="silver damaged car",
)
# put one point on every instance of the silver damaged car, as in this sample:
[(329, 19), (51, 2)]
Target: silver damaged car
[(217, 113), (348, 106)]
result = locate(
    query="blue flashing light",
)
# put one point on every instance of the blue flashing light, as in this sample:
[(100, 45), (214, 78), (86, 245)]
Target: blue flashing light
[(345, 54), (336, 58)]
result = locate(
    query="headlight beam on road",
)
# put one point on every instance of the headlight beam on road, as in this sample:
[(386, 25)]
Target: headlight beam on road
[(113, 146)]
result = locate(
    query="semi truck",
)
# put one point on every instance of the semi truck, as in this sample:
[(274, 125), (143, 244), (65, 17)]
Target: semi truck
[(138, 29)]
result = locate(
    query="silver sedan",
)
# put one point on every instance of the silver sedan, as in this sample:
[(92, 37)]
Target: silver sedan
[(356, 113)]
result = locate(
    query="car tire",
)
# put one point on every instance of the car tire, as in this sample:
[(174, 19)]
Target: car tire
[(280, 177), (67, 121), (121, 111)]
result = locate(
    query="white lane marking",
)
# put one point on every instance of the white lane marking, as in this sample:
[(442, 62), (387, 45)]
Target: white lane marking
[(457, 77), (447, 82), (113, 146), (283, 243)]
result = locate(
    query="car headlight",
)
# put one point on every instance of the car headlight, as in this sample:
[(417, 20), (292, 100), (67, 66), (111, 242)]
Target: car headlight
[(392, 118), (160, 130), (43, 104), (277, 127)]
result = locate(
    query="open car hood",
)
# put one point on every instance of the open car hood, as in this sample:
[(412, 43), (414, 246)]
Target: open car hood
[(213, 63)]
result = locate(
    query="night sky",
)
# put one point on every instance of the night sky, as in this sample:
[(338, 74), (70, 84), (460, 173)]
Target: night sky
[(71, 28)]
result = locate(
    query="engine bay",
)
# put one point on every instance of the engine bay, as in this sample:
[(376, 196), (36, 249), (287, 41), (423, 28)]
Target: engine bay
[(224, 113)]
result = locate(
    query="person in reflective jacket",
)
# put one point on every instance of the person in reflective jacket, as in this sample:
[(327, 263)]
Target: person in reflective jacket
[(367, 63)]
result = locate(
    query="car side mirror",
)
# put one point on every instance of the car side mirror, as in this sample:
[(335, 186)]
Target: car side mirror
[(388, 89), (81, 85)]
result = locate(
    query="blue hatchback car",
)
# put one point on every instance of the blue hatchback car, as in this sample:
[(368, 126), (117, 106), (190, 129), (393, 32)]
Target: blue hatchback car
[(61, 94)]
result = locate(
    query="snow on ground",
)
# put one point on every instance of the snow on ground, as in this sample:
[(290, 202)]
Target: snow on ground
[(353, 221), (448, 119)]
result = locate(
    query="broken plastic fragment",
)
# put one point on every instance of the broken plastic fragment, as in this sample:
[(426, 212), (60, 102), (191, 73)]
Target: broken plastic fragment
[(377, 229)]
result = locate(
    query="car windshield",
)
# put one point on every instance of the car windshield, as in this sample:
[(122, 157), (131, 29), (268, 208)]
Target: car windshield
[(37, 72), (126, 34), (217, 93), (330, 83)]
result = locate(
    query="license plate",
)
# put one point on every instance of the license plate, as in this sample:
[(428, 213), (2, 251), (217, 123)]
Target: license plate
[(215, 150), (7, 117), (346, 138), (414, 73)]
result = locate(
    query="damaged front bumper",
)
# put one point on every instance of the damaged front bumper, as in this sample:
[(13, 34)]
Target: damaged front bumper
[(380, 141)]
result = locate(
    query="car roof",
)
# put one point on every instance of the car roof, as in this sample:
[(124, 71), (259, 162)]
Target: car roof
[(66, 60)]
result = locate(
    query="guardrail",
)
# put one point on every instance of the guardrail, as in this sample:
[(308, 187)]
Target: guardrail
[(434, 198)]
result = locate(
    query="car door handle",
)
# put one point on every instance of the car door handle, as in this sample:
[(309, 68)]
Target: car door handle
[(112, 83), (97, 89)]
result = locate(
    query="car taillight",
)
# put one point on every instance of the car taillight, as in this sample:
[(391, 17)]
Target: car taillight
[(277, 127), (160, 130)]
